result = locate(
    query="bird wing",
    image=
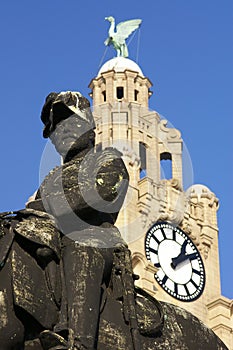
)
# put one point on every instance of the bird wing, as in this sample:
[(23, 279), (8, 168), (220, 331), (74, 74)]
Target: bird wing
[(124, 29)]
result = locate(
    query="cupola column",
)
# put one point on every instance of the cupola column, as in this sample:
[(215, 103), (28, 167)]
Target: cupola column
[(109, 84), (130, 78)]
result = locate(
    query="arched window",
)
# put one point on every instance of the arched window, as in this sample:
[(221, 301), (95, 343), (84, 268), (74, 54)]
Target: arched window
[(165, 166), (142, 155)]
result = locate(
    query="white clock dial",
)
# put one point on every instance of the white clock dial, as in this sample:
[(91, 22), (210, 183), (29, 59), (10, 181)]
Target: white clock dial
[(180, 267)]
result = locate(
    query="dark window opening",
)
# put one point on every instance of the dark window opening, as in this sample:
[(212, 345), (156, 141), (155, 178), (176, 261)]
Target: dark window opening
[(98, 147), (142, 154), (136, 95), (120, 92), (165, 166), (104, 95)]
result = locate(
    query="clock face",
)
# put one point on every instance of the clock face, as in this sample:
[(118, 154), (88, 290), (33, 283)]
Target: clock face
[(180, 267)]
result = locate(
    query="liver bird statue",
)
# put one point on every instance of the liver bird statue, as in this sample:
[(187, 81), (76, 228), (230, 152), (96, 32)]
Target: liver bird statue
[(123, 31)]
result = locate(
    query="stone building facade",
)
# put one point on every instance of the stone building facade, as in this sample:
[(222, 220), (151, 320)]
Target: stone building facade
[(120, 93)]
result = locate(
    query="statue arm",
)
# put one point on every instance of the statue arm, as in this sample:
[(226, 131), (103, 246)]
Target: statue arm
[(98, 183), (106, 181)]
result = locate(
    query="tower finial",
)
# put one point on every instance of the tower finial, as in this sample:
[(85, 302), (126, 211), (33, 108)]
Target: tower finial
[(123, 31)]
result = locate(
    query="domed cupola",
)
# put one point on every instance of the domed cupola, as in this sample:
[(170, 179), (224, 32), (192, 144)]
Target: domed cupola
[(120, 79), (120, 64)]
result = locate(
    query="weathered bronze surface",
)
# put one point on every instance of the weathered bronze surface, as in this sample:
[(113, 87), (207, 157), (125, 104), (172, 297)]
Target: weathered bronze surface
[(123, 31), (66, 279)]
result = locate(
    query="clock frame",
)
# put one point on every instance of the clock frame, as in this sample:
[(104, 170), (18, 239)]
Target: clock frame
[(181, 270)]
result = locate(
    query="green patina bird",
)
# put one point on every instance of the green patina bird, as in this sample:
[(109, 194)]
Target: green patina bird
[(123, 31)]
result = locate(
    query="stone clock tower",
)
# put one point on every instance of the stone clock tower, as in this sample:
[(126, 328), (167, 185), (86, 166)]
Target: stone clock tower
[(172, 233)]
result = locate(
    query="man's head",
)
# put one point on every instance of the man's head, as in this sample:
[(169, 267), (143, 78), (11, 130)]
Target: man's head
[(68, 121)]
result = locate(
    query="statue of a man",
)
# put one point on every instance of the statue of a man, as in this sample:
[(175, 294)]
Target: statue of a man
[(66, 279), (84, 195)]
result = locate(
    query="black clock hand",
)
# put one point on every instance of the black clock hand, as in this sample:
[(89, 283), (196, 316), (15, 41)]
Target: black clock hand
[(182, 257), (183, 248), (178, 259)]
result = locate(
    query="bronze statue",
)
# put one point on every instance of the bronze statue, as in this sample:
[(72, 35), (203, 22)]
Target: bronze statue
[(123, 31), (66, 279)]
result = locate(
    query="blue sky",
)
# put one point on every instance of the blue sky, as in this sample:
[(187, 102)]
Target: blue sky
[(185, 49)]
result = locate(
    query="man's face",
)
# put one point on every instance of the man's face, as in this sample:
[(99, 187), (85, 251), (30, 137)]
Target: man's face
[(70, 134)]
